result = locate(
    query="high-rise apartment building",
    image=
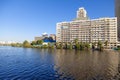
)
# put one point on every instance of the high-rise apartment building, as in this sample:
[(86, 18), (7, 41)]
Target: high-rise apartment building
[(86, 30), (117, 14)]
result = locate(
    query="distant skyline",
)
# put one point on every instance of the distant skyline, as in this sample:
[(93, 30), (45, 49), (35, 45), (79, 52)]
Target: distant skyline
[(24, 19)]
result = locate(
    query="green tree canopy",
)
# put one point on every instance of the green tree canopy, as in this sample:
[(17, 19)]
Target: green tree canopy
[(76, 41), (33, 43), (39, 42), (106, 43), (26, 44)]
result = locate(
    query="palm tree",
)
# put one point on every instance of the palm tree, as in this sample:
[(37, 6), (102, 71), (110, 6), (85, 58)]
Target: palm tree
[(87, 45), (57, 45), (100, 47), (82, 46), (61, 45), (78, 46), (71, 45), (65, 45), (106, 44), (76, 43), (93, 45)]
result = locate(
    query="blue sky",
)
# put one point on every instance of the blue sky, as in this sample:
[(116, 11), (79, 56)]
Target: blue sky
[(24, 19)]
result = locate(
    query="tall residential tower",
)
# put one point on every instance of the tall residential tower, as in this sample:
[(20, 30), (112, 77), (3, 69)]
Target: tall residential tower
[(88, 30), (117, 14)]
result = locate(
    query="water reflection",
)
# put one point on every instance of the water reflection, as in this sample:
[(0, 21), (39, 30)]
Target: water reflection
[(87, 65), (45, 64)]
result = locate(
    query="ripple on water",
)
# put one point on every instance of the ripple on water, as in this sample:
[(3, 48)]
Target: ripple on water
[(35, 64)]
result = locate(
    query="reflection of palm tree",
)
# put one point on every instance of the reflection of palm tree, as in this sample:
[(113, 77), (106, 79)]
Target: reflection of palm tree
[(119, 68), (116, 77), (119, 64)]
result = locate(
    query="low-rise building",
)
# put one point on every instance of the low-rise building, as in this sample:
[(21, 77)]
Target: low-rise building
[(38, 38), (53, 36), (47, 39)]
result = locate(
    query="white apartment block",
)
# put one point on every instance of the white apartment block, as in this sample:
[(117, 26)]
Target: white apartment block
[(86, 30), (117, 14)]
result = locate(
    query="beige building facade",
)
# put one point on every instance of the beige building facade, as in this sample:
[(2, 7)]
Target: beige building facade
[(86, 30), (117, 14)]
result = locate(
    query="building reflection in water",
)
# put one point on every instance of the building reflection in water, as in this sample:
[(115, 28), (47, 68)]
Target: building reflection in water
[(117, 76), (87, 65)]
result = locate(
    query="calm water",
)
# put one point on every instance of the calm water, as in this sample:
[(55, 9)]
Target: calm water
[(36, 64)]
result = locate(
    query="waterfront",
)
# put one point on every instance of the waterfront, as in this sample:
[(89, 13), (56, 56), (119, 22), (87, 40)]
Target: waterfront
[(44, 64)]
